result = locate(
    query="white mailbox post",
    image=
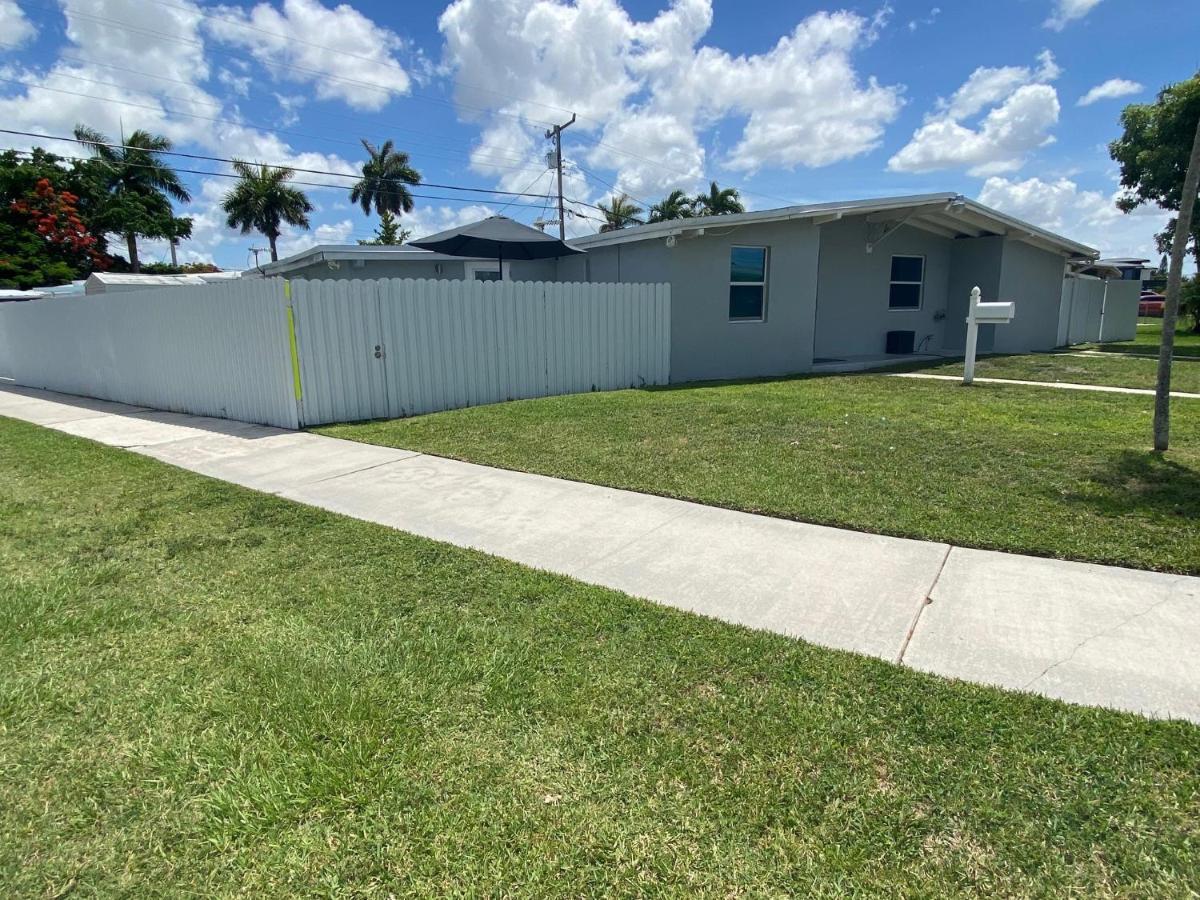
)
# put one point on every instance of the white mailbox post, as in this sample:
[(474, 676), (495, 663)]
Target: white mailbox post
[(980, 313)]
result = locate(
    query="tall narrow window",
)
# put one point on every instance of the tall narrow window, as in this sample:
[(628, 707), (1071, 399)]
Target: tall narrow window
[(747, 284), (908, 274)]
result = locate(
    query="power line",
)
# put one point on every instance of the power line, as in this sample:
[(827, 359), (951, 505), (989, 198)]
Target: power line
[(494, 153), (223, 159), (390, 90), (293, 181), (159, 109)]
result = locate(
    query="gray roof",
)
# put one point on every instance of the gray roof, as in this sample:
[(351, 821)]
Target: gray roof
[(947, 214)]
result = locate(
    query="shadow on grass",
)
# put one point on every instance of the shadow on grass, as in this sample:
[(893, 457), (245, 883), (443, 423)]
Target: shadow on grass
[(1134, 483)]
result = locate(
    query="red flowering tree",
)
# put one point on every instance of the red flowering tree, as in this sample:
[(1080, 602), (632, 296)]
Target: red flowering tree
[(54, 215)]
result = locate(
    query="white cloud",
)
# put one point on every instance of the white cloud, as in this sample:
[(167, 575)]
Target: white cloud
[(237, 84), (294, 241), (1110, 90), (15, 26), (339, 51), (646, 88), (1067, 11), (914, 24), (1088, 216), (1023, 109)]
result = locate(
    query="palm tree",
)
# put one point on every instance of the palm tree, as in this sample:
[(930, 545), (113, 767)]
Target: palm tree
[(718, 202), (621, 212), (676, 205), (137, 184), (262, 200), (386, 176)]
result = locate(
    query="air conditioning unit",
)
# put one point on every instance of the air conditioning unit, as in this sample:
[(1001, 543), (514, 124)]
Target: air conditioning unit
[(901, 341)]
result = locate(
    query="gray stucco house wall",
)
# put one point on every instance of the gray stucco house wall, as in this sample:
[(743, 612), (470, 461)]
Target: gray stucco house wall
[(853, 317), (705, 344), (1033, 278), (829, 281)]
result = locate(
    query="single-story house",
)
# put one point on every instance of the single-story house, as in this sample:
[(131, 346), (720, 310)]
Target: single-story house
[(838, 285), (327, 261), (820, 287)]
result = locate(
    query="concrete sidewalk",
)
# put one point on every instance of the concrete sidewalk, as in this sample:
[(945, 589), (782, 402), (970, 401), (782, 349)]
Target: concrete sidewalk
[(1083, 633), (1064, 385)]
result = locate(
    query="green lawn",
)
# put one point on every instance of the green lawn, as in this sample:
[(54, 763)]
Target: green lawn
[(1026, 469), (1149, 337), (206, 691), (1112, 369)]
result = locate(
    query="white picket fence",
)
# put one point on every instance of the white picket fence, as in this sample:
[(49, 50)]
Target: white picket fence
[(332, 351)]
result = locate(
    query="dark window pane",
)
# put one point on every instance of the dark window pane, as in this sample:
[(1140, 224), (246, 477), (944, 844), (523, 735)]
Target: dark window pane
[(905, 296), (748, 264), (907, 268), (481, 275), (746, 301)]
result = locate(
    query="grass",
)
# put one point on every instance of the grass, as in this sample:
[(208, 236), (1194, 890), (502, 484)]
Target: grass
[(1023, 469), (1112, 369), (206, 691), (1149, 337)]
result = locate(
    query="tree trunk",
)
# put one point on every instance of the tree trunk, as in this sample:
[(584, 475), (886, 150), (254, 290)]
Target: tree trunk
[(1183, 229), (174, 258), (131, 244), (274, 254)]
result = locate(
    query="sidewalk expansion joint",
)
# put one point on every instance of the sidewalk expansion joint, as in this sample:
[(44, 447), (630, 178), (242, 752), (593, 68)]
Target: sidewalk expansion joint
[(925, 601)]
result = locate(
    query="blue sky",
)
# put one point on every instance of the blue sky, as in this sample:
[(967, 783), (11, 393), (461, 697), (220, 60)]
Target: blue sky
[(1011, 103)]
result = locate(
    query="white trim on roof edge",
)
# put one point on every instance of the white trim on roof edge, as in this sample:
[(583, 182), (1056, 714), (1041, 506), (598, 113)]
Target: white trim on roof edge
[(946, 204)]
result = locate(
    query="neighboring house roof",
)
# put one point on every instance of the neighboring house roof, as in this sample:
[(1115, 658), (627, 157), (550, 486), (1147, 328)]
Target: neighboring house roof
[(1127, 261), (127, 278), (350, 252), (949, 215), (9, 294)]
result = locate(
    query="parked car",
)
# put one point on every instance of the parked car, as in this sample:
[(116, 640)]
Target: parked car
[(1151, 304)]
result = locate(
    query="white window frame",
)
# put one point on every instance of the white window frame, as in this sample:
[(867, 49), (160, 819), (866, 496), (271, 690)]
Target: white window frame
[(470, 267), (763, 284), (921, 284)]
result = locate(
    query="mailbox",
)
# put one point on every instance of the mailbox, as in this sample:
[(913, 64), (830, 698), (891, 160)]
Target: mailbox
[(980, 313), (992, 313)]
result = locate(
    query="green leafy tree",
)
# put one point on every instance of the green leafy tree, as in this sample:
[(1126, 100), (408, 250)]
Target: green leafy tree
[(386, 176), (676, 205), (263, 201), (137, 187), (389, 233), (45, 237), (1159, 155), (620, 212), (718, 202), (1153, 153)]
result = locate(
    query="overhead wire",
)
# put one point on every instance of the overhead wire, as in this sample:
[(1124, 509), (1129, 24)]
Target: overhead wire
[(409, 94)]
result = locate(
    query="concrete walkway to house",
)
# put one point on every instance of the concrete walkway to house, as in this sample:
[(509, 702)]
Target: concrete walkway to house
[(1065, 385), (1084, 633)]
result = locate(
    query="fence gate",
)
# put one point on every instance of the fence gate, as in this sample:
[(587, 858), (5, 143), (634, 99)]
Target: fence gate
[(389, 348), (342, 354)]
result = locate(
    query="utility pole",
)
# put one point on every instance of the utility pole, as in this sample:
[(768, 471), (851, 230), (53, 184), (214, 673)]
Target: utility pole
[(556, 134)]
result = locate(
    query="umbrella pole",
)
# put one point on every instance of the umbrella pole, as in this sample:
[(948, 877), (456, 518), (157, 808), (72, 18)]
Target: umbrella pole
[(500, 260)]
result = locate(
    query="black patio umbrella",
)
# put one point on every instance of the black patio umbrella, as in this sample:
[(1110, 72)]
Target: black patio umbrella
[(498, 237)]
